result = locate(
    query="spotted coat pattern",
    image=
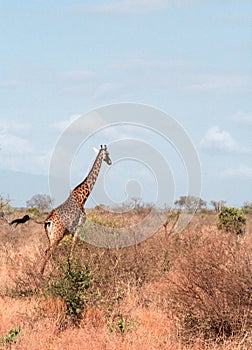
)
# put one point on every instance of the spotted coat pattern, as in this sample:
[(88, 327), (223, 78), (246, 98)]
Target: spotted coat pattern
[(69, 217)]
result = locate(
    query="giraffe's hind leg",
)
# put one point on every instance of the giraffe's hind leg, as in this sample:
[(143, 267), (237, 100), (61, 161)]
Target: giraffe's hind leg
[(48, 254)]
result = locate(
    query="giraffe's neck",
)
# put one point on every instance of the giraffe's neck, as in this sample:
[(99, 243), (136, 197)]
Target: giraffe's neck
[(82, 191)]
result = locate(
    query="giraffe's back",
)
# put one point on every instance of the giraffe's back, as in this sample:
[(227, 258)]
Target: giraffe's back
[(70, 214)]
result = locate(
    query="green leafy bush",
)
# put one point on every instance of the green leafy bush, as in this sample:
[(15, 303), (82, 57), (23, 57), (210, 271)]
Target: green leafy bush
[(9, 339), (232, 220), (247, 208), (102, 221), (121, 324), (34, 212), (71, 286)]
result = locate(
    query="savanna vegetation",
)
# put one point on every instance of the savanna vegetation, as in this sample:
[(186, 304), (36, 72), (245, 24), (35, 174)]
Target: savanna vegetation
[(176, 290)]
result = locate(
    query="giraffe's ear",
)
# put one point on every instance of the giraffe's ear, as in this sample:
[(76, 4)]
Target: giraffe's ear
[(95, 150)]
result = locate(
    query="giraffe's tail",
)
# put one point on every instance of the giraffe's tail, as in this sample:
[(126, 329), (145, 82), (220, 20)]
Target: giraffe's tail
[(39, 222), (20, 221)]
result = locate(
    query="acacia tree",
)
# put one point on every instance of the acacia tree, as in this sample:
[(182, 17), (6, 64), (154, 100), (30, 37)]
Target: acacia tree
[(218, 204), (42, 202), (190, 203), (247, 207), (5, 206)]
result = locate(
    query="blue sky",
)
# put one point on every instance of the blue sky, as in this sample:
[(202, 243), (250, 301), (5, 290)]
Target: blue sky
[(189, 58)]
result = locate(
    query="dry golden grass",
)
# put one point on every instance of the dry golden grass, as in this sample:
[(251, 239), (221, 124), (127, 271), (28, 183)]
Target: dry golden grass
[(141, 297)]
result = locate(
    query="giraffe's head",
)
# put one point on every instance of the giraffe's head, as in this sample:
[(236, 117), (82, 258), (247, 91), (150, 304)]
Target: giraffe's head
[(105, 155)]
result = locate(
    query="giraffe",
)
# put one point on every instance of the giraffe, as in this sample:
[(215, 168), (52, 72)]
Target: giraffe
[(69, 217)]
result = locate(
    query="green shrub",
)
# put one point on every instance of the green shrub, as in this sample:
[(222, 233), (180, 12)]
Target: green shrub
[(102, 221), (232, 220), (247, 208), (34, 212), (121, 324), (71, 286), (9, 339)]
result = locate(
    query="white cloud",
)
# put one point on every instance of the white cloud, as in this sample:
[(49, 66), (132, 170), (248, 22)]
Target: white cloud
[(108, 90), (64, 124), (136, 63), (12, 84), (14, 127), (18, 153), (221, 140), (26, 163), (243, 118), (11, 144), (128, 7), (10, 140), (79, 124), (167, 74), (243, 171), (125, 7), (233, 19), (78, 75), (223, 83)]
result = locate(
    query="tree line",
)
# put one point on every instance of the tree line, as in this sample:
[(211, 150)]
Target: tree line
[(44, 203)]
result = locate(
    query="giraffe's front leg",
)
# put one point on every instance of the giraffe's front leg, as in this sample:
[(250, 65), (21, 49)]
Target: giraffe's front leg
[(74, 242), (77, 234)]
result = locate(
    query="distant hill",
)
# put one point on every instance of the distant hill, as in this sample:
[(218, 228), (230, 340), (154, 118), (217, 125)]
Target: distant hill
[(20, 187)]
